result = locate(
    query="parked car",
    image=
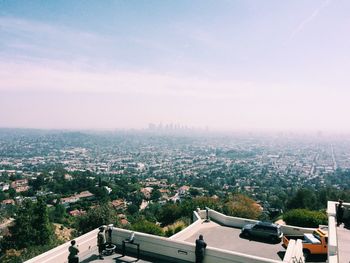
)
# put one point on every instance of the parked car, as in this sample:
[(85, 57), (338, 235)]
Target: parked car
[(315, 243), (263, 230)]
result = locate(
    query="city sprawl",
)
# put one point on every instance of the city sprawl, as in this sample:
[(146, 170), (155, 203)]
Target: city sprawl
[(268, 168)]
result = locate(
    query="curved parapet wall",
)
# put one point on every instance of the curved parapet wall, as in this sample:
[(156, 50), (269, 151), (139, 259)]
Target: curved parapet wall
[(240, 222), (186, 232)]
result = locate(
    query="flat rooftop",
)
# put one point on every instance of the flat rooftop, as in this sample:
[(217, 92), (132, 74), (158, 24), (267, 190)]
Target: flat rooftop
[(215, 235), (218, 236), (228, 238)]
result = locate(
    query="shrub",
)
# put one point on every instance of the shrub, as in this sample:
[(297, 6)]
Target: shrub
[(147, 227), (174, 228), (242, 206), (178, 229), (305, 218), (169, 232)]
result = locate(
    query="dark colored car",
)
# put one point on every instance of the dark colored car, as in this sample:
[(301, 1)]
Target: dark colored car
[(263, 230)]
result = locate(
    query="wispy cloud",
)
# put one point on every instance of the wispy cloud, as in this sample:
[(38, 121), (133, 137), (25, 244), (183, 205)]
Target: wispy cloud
[(38, 39), (309, 19), (17, 26), (56, 76)]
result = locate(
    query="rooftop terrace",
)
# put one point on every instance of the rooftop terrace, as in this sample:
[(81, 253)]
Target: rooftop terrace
[(228, 238), (222, 237)]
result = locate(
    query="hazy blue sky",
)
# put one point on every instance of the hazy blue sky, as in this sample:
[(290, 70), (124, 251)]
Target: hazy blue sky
[(267, 65)]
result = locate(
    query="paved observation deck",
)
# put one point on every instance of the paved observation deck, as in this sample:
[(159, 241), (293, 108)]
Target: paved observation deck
[(215, 235), (228, 238), (343, 235), (222, 235), (339, 237)]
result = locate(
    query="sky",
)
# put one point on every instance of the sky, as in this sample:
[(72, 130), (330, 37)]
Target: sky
[(227, 65)]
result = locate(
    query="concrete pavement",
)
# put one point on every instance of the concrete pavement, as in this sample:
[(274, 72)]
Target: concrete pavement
[(343, 235), (228, 238)]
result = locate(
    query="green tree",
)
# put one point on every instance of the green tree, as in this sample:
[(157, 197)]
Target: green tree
[(190, 205), (101, 194), (155, 195), (31, 226), (304, 198), (169, 213), (2, 196), (132, 209), (194, 192), (37, 183), (101, 215), (12, 193), (152, 211), (57, 214), (43, 229)]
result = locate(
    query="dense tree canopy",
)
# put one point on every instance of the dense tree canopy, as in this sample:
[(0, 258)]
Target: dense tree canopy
[(31, 227), (100, 215)]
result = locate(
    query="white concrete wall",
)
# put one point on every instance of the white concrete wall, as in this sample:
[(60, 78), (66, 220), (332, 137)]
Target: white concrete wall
[(240, 222), (229, 220), (332, 233), (294, 252), (333, 253), (158, 247), (86, 244), (290, 251), (202, 213), (187, 232), (295, 230), (196, 216), (332, 229), (332, 240), (183, 251)]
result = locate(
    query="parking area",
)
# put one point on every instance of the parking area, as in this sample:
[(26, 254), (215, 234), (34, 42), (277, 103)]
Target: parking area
[(228, 238)]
